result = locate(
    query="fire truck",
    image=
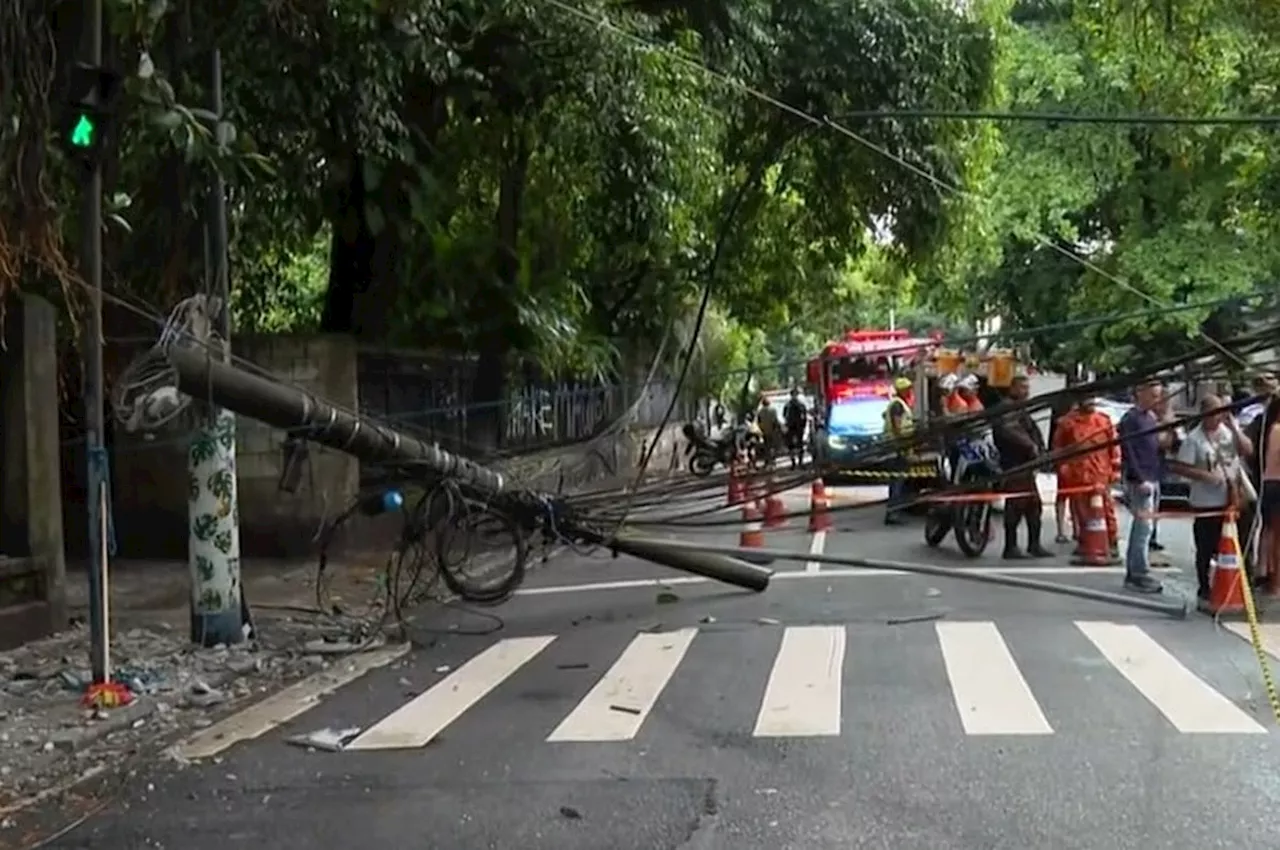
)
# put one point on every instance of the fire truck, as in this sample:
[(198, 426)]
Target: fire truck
[(852, 382)]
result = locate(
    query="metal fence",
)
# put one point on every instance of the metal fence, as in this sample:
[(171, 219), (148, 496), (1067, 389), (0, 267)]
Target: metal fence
[(431, 395)]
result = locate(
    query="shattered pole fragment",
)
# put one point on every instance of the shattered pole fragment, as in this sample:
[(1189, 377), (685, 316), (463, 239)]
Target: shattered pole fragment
[(328, 740)]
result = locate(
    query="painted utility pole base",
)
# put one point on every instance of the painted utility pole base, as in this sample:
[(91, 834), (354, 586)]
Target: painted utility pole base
[(213, 548)]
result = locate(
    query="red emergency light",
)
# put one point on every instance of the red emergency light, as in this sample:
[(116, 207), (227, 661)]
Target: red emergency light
[(860, 389), (877, 336)]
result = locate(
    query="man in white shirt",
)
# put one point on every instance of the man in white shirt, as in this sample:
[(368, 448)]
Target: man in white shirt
[(1210, 459)]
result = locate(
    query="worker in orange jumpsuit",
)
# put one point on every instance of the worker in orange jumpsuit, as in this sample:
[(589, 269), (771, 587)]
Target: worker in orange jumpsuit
[(961, 395), (1090, 470)]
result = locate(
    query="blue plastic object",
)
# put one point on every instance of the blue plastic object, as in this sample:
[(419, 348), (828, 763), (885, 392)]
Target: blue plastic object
[(392, 500)]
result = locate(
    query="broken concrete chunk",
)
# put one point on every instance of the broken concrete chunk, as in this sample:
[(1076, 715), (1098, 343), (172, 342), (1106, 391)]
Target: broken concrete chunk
[(328, 740)]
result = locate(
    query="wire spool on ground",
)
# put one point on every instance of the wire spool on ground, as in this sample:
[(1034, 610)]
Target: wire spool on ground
[(482, 552)]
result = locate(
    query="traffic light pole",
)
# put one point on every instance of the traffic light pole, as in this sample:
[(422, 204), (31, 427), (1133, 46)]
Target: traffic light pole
[(98, 496)]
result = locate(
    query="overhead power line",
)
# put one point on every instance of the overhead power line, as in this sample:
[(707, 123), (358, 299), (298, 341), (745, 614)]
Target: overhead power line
[(1137, 119)]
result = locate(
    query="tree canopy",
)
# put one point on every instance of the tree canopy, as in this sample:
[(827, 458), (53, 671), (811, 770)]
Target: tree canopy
[(1160, 214), (559, 181)]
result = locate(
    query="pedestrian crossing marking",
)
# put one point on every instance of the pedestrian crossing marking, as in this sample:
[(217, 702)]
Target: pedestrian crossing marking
[(617, 706), (1188, 702), (1269, 632), (420, 720), (991, 695), (802, 698), (805, 680)]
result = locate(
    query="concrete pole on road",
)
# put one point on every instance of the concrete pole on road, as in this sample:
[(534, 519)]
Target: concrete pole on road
[(213, 546)]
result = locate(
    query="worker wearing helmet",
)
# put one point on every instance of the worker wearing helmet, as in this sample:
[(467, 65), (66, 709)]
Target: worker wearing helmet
[(898, 425), (950, 399), (967, 390)]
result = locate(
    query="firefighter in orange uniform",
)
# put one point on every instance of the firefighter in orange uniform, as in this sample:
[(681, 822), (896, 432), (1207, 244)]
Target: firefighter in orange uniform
[(1089, 470)]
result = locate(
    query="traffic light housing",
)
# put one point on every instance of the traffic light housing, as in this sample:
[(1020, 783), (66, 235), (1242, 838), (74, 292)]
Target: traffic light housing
[(91, 97)]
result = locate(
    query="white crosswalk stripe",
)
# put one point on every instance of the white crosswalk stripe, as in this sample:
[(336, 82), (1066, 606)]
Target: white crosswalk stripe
[(1189, 703), (416, 723), (809, 686), (620, 701), (990, 693), (802, 698)]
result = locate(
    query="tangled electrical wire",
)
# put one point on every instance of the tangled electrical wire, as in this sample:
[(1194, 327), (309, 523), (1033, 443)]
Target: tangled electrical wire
[(703, 501)]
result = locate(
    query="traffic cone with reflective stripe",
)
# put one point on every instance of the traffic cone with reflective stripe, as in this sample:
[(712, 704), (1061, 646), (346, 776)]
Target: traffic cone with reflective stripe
[(1095, 546), (1226, 591), (751, 536), (737, 491), (819, 519), (775, 512)]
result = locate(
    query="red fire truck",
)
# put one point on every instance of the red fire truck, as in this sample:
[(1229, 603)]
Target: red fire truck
[(852, 381), (864, 363)]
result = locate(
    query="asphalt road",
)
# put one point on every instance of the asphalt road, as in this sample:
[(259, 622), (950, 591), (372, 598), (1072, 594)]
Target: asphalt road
[(621, 706)]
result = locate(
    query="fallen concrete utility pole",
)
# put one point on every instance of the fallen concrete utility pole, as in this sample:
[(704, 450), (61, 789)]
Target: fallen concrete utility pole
[(291, 409), (203, 377), (724, 568), (1174, 609)]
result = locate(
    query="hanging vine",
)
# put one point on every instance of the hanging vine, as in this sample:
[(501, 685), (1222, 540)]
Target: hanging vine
[(30, 220)]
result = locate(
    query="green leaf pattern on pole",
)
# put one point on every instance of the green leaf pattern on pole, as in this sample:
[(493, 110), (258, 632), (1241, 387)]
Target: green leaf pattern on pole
[(214, 544)]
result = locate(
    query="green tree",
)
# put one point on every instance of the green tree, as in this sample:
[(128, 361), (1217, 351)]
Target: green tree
[(1162, 214)]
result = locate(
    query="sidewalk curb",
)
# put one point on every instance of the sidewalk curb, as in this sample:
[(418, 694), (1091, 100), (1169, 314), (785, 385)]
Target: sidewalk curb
[(257, 719)]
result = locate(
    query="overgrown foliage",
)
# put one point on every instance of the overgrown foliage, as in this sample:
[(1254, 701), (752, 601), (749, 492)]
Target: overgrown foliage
[(558, 180), (1163, 214), (524, 177)]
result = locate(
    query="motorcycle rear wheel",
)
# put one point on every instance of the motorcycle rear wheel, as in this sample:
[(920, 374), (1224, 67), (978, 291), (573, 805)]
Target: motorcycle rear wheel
[(701, 464)]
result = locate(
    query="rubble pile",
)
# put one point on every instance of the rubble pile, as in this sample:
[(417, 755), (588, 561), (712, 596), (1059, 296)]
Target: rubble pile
[(49, 737)]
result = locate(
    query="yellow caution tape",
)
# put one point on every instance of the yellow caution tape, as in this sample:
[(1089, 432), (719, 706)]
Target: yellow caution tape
[(911, 472), (1255, 639)]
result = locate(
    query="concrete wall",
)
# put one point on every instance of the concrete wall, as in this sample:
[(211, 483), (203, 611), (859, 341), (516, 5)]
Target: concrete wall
[(150, 479)]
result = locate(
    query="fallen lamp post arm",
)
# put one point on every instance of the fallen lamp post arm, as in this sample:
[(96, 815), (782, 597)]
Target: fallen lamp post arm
[(280, 405)]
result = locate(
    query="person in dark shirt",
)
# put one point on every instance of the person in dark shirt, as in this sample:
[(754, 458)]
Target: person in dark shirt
[(1020, 442), (1140, 470)]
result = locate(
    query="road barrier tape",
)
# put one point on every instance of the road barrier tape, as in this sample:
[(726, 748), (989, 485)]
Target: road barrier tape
[(1259, 651), (995, 496), (922, 471)]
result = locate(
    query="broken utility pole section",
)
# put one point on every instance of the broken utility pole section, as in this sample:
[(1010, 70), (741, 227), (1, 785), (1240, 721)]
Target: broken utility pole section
[(201, 375)]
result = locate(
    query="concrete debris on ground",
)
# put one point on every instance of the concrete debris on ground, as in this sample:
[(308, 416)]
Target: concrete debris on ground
[(49, 737)]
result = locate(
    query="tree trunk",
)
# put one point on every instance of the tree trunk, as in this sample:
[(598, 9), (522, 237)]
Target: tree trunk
[(496, 345), (351, 256)]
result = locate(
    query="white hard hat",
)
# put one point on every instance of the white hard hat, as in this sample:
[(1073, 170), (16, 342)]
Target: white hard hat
[(947, 383), (969, 382)]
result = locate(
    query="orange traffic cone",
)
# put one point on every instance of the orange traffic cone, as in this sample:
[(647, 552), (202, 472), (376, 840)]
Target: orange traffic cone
[(752, 536), (1095, 546), (737, 492), (819, 519), (1226, 591), (775, 512)]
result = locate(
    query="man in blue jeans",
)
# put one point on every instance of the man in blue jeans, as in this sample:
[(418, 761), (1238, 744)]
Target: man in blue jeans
[(1140, 465)]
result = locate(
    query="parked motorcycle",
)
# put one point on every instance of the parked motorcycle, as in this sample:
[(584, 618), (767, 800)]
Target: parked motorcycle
[(974, 465), (705, 453)]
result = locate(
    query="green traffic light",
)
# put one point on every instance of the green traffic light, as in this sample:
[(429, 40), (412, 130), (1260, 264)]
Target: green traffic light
[(82, 133)]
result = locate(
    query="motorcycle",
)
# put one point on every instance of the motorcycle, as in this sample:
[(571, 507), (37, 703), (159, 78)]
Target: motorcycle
[(705, 454), (972, 466)]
